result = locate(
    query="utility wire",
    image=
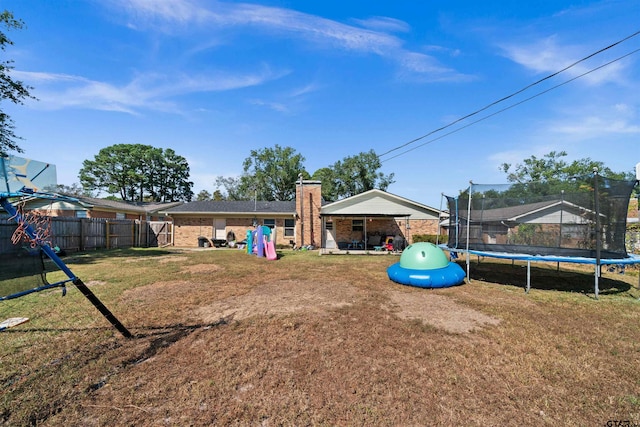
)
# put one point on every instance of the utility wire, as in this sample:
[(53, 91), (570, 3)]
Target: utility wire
[(509, 96), (502, 110)]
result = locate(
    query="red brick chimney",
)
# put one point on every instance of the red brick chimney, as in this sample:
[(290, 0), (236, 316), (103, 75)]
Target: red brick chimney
[(308, 204)]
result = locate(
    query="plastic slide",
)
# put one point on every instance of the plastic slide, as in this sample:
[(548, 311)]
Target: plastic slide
[(270, 249)]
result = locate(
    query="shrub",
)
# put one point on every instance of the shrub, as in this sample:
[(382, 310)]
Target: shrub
[(431, 238)]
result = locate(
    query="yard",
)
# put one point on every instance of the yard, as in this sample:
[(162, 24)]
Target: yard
[(224, 338)]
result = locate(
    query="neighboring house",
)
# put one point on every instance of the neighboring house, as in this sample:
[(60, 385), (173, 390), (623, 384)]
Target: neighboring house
[(633, 214), (554, 218), (91, 207), (358, 222)]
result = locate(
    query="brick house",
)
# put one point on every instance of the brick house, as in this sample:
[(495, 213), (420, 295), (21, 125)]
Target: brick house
[(362, 220), (222, 221)]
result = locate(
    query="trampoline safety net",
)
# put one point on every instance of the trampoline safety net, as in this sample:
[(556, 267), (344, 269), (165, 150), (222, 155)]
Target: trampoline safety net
[(583, 217)]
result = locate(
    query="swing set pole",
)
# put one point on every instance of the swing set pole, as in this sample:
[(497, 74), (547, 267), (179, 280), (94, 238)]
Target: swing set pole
[(6, 204)]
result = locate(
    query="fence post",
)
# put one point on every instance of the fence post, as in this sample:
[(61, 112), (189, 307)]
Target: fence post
[(81, 243), (107, 235)]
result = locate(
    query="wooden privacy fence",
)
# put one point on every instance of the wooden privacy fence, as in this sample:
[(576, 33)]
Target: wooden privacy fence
[(83, 234)]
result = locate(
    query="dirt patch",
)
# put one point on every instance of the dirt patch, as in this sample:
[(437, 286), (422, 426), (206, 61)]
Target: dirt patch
[(280, 298), (291, 296), (438, 310)]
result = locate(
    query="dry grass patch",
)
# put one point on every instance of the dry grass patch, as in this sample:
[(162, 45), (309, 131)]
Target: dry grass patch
[(310, 340)]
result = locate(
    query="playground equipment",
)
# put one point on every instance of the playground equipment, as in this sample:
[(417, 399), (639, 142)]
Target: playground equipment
[(20, 178), (426, 266), (581, 220), (261, 242)]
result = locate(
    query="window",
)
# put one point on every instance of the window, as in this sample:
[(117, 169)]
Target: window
[(289, 227), (81, 214), (357, 225), (121, 215), (271, 223)]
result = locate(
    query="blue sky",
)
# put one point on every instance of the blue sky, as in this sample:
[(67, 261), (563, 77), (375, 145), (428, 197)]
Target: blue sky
[(214, 80)]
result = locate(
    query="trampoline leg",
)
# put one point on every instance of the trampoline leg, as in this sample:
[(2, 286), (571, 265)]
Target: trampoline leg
[(528, 276), (469, 268), (595, 285)]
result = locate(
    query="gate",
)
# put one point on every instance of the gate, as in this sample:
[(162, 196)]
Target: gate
[(160, 233)]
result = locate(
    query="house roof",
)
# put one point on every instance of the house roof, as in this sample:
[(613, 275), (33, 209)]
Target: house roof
[(378, 203), (92, 203), (515, 213), (233, 207), (82, 202), (119, 205)]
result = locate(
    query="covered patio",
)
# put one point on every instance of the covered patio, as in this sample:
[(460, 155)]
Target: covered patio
[(364, 232), (371, 222)]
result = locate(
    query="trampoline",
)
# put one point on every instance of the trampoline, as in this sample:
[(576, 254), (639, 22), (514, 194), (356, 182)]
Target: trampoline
[(580, 221)]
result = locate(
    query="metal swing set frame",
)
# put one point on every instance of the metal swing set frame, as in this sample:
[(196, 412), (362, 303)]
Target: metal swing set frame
[(38, 242)]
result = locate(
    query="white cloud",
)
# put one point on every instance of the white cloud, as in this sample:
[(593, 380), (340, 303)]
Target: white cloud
[(311, 87), (596, 127), (276, 106), (383, 23), (144, 92), (215, 17), (596, 121), (547, 55)]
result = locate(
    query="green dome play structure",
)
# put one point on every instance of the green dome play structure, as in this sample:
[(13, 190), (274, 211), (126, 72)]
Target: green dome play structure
[(426, 266)]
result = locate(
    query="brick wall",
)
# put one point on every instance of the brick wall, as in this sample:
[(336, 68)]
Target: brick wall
[(384, 227), (101, 214), (308, 209), (421, 226), (188, 229)]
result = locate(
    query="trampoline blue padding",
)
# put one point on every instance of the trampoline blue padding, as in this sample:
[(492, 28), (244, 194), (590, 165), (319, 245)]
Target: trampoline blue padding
[(631, 258), (628, 260)]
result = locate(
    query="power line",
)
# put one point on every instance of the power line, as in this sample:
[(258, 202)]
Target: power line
[(504, 109), (508, 97)]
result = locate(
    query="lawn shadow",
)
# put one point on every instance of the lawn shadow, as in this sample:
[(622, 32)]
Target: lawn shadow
[(546, 278)]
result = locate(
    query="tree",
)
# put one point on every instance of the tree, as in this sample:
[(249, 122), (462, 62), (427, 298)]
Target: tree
[(550, 168), (138, 173), (203, 196), (10, 89), (74, 189), (271, 173), (231, 187), (169, 183), (217, 195), (353, 175), (551, 175), (330, 183)]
